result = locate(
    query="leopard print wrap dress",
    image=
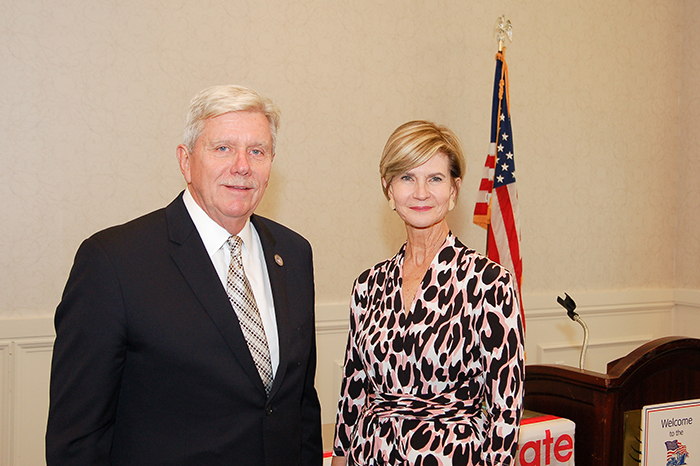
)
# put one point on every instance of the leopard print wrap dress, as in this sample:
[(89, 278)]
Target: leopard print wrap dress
[(440, 384)]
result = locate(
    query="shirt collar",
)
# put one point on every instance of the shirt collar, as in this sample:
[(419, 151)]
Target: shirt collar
[(213, 235)]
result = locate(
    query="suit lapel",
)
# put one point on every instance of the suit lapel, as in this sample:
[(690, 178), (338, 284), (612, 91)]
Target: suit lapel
[(194, 263), (275, 270)]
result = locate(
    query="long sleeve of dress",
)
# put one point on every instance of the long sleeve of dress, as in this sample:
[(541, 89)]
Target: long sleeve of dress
[(353, 390), (503, 355)]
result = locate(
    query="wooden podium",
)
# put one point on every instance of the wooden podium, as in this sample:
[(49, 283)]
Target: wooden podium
[(663, 370)]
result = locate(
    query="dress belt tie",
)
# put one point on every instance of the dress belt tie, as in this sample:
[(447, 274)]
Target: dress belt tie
[(436, 407)]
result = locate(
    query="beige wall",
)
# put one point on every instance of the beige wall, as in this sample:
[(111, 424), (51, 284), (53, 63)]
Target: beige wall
[(93, 95), (687, 273), (605, 97)]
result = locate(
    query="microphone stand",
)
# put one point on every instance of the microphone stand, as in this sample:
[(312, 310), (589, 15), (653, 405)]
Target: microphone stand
[(570, 305)]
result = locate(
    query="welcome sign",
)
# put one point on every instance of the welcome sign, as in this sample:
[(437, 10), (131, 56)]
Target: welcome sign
[(671, 434)]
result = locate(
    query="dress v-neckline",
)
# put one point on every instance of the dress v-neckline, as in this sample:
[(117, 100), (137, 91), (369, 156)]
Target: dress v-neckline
[(414, 299)]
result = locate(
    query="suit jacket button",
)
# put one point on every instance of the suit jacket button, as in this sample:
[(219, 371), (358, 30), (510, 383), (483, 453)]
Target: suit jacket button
[(268, 410)]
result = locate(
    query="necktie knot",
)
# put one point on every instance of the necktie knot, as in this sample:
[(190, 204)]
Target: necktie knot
[(235, 244)]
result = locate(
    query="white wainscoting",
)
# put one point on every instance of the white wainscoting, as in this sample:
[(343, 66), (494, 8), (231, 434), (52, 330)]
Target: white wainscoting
[(618, 323), (25, 361)]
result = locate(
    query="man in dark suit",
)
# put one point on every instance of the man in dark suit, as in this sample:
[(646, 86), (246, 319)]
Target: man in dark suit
[(153, 362)]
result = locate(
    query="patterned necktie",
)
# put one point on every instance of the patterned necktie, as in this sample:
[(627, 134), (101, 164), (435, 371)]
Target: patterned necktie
[(241, 296)]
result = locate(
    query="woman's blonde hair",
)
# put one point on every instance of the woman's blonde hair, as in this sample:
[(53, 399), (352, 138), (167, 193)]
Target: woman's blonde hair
[(414, 143)]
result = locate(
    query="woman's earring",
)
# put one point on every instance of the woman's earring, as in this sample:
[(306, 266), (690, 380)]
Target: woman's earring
[(392, 204), (451, 205)]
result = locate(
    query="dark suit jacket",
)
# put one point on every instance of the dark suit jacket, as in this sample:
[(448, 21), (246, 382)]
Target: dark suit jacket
[(150, 366)]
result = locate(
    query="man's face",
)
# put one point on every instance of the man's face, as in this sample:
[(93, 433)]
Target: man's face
[(229, 168)]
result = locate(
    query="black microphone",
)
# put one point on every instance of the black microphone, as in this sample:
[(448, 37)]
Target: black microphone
[(569, 304)]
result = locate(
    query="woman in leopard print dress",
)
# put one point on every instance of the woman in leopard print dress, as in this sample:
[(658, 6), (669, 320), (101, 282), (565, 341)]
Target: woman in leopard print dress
[(434, 364)]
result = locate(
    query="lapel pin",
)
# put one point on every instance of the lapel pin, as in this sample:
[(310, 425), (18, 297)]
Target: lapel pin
[(279, 260)]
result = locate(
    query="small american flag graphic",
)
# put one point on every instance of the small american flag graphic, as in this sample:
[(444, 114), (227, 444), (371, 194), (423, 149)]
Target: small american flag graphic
[(676, 453)]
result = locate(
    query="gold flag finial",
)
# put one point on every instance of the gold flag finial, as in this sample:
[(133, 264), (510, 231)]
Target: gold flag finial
[(503, 29)]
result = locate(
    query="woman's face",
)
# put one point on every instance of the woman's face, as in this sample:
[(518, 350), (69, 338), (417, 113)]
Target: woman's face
[(422, 195)]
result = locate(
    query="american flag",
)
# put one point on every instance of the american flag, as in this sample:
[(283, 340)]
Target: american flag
[(497, 201)]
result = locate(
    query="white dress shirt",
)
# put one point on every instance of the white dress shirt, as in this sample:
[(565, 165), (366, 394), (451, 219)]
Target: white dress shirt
[(214, 237)]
